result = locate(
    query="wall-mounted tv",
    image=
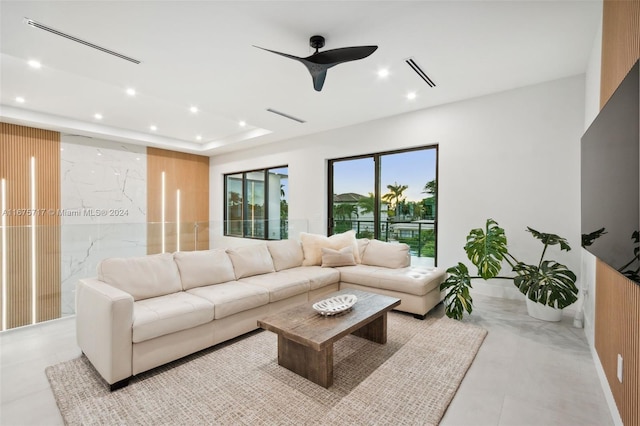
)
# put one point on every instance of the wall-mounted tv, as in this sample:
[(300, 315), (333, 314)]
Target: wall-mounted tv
[(610, 180)]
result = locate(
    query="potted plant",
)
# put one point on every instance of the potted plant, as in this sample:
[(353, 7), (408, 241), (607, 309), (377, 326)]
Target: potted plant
[(547, 283)]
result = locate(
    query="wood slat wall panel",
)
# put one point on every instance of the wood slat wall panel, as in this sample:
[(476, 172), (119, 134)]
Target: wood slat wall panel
[(190, 174), (616, 332), (17, 145), (617, 316), (620, 43)]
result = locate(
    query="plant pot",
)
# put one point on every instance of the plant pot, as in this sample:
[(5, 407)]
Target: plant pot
[(543, 312)]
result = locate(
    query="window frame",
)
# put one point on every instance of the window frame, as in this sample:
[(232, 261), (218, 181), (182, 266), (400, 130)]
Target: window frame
[(378, 190), (244, 206)]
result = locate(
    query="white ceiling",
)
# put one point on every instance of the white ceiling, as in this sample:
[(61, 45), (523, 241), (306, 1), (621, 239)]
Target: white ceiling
[(199, 53)]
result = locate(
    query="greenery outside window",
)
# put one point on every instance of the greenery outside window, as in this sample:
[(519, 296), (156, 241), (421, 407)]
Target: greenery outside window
[(256, 204)]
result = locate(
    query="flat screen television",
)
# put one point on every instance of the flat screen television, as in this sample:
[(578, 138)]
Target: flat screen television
[(610, 180)]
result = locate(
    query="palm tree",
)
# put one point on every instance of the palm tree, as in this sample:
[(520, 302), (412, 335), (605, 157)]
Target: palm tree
[(430, 188), (394, 196), (367, 204), (345, 211)]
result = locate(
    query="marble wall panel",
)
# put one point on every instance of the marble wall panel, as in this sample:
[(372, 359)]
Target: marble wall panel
[(103, 207)]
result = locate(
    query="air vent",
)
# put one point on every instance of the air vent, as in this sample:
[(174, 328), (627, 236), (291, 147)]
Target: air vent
[(423, 75), (40, 26), (290, 117)]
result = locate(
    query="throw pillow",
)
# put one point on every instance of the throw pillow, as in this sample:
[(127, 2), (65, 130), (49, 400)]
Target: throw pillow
[(332, 258), (312, 245)]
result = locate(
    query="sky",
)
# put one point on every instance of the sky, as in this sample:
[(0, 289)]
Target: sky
[(412, 168)]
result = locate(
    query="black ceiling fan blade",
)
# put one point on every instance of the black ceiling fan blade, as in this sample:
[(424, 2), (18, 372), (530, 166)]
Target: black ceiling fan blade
[(344, 54), (286, 55), (318, 80)]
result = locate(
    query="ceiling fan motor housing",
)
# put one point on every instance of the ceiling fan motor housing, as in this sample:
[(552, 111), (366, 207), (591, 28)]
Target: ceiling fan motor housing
[(316, 41)]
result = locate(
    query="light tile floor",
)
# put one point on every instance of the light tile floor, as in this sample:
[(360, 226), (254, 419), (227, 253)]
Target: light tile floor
[(527, 372)]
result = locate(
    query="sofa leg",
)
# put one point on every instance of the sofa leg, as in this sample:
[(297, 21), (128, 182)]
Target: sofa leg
[(420, 317), (119, 385)]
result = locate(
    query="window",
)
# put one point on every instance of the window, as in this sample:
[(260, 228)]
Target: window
[(256, 204), (389, 196)]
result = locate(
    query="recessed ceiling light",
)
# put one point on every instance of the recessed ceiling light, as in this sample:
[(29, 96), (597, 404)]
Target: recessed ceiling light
[(153, 128), (138, 158), (131, 92), (194, 109), (99, 154), (242, 123), (198, 138), (97, 116), (61, 149), (34, 64), (383, 73), (411, 95), (20, 99)]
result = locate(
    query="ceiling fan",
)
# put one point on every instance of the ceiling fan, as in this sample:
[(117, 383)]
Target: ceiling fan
[(320, 62)]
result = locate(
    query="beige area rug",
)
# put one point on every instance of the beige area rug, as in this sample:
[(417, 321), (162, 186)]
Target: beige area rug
[(410, 380)]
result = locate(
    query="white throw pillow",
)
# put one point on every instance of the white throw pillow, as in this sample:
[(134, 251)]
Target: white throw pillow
[(251, 260), (389, 255), (286, 254), (204, 267), (312, 245), (332, 258)]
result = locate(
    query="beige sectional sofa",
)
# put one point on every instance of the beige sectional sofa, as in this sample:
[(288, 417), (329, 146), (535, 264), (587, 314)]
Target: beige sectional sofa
[(140, 313)]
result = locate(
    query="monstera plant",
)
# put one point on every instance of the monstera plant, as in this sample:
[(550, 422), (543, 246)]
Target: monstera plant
[(547, 282)]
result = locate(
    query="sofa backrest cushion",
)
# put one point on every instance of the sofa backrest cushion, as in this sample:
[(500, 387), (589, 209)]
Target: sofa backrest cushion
[(389, 255), (286, 254), (204, 267), (251, 260), (312, 245), (142, 277), (362, 246)]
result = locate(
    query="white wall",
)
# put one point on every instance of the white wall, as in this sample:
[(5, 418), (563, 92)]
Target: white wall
[(513, 156)]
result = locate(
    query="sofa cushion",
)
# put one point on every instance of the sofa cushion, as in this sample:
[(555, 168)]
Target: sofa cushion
[(251, 260), (142, 277), (281, 285), (285, 254), (232, 297), (167, 314), (204, 267), (362, 246), (332, 258), (389, 255), (312, 245), (405, 280), (318, 277)]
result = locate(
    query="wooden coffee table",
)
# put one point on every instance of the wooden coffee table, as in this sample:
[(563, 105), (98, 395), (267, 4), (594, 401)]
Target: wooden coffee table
[(305, 338)]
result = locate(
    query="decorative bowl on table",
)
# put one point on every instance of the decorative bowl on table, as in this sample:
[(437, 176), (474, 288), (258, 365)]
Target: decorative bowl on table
[(335, 305)]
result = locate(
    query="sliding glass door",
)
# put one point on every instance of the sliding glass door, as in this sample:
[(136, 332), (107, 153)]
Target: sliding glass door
[(389, 196)]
